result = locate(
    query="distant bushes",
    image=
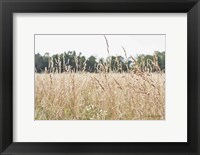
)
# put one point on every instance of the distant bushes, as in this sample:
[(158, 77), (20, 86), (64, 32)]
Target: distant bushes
[(70, 61)]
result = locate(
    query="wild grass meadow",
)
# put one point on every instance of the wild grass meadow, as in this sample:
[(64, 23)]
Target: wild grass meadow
[(113, 89)]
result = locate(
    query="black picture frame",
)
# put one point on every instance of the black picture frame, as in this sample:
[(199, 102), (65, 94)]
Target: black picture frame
[(8, 7)]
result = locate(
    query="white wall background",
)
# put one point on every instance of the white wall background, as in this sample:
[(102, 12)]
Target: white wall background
[(173, 129)]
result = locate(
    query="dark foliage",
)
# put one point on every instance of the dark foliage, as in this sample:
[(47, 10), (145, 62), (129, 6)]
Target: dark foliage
[(70, 61)]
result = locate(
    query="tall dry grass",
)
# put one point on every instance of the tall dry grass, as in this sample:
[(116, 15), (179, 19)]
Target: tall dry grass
[(101, 96), (138, 94)]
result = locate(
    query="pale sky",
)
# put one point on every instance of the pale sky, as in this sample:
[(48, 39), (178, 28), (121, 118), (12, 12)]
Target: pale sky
[(96, 44)]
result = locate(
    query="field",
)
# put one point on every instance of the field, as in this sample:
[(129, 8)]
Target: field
[(100, 96)]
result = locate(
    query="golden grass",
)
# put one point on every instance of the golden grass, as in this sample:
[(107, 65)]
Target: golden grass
[(100, 96)]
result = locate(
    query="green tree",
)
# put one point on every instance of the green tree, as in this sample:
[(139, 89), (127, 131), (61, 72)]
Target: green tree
[(41, 62), (91, 64)]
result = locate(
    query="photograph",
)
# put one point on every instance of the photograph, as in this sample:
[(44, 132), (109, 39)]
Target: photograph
[(99, 76)]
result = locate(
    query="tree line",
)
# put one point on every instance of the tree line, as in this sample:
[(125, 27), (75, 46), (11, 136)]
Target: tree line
[(71, 61)]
